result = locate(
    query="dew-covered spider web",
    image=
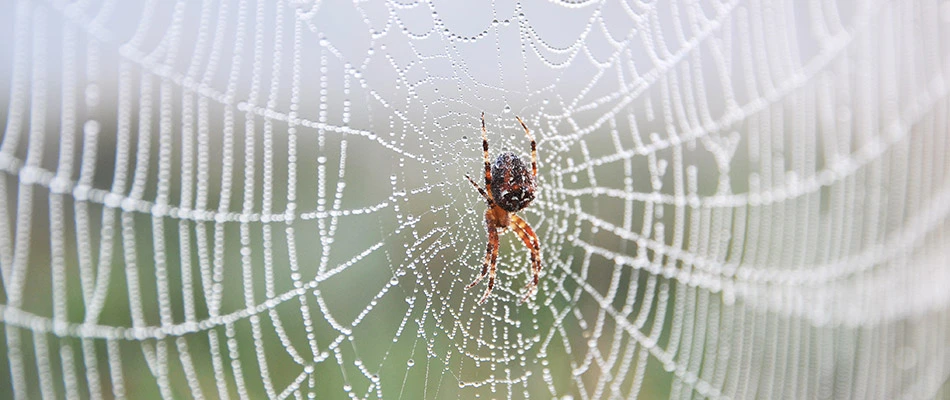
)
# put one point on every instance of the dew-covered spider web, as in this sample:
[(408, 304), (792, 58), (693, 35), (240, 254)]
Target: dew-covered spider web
[(266, 199)]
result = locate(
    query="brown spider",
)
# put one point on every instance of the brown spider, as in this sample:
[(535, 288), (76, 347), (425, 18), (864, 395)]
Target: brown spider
[(509, 188)]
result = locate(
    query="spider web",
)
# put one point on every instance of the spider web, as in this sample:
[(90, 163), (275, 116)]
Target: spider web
[(240, 199)]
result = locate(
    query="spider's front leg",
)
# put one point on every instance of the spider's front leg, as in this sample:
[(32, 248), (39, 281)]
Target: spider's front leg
[(530, 239), (491, 248), (491, 259), (493, 245)]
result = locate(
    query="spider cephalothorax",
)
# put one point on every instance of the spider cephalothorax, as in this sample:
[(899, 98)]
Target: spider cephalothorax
[(509, 188)]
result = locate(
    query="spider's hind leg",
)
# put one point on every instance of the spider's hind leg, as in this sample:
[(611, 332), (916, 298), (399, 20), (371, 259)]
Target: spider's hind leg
[(481, 191), (485, 156), (534, 149)]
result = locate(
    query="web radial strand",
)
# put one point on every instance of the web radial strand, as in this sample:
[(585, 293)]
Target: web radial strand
[(268, 199)]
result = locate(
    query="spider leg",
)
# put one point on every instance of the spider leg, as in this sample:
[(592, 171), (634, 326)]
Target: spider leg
[(484, 272), (534, 149), (490, 263), (481, 191), (485, 156), (490, 248), (530, 239)]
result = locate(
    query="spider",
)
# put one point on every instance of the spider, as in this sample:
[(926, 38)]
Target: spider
[(509, 188)]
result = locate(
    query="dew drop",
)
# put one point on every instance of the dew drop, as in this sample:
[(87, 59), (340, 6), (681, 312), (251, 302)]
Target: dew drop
[(507, 109), (411, 362), (91, 127)]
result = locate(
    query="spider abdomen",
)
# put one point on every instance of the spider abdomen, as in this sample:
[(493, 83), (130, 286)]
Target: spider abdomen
[(512, 186)]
